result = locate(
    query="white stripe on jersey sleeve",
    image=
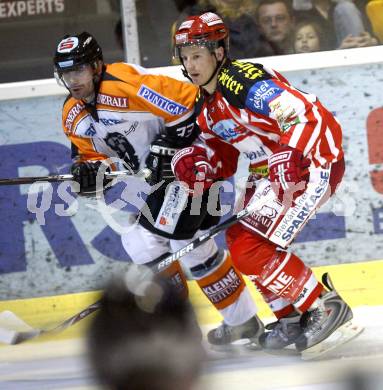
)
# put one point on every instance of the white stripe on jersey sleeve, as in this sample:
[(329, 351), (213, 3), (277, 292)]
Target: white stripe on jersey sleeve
[(298, 130), (316, 133), (334, 150), (322, 161)]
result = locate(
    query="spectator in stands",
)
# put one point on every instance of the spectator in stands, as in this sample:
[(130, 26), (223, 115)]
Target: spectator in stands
[(363, 40), (145, 335), (309, 37), (246, 40), (341, 20), (276, 21), (374, 11)]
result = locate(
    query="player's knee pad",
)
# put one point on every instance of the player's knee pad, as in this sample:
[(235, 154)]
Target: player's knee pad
[(220, 281), (288, 277)]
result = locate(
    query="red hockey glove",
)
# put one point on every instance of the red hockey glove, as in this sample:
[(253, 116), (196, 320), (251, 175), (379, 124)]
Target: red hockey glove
[(288, 173), (191, 165)]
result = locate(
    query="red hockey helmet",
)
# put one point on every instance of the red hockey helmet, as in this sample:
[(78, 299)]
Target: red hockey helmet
[(207, 30)]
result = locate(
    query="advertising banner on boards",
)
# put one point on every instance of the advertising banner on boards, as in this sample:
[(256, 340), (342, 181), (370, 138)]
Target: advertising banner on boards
[(54, 242)]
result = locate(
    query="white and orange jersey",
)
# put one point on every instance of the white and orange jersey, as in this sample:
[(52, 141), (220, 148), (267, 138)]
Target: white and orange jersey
[(255, 110), (132, 108)]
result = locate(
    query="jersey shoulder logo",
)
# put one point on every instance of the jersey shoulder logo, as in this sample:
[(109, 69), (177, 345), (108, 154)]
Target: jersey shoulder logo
[(73, 113), (250, 71), (230, 82), (237, 78), (261, 94), (113, 101), (163, 103)]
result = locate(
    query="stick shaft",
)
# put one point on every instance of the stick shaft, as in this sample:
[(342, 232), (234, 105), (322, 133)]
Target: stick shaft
[(28, 335), (161, 263), (144, 173), (165, 260)]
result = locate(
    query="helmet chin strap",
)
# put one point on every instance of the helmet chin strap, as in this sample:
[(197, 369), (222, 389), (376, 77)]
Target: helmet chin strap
[(96, 86), (185, 73), (215, 71)]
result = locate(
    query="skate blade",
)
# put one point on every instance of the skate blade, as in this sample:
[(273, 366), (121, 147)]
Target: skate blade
[(237, 347), (342, 335), (287, 351)]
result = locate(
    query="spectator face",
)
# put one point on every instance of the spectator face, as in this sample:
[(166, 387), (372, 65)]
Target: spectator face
[(275, 22), (227, 3), (306, 40)]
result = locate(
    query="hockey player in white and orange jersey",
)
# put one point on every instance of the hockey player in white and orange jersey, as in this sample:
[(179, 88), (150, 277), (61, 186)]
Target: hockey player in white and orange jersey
[(121, 110), (294, 148)]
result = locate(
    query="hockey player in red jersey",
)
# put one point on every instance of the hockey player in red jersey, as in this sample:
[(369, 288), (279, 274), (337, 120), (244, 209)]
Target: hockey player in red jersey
[(123, 111), (294, 148)]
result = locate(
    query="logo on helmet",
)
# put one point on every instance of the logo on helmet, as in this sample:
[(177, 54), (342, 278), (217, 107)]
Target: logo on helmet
[(67, 45), (181, 38), (186, 24), (211, 19)]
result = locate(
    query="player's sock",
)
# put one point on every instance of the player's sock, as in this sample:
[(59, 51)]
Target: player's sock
[(177, 277), (225, 288)]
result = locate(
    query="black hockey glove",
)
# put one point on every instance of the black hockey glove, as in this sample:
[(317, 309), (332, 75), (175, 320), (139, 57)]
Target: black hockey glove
[(85, 173), (124, 149), (158, 161)]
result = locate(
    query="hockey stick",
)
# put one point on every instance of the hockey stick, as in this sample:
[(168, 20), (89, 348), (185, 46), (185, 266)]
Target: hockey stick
[(9, 336), (143, 173), (161, 263), (165, 260)]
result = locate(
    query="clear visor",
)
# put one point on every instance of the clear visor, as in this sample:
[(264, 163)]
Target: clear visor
[(79, 75), (211, 45)]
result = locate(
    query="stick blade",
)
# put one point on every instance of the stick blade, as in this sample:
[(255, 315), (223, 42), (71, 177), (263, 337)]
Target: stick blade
[(11, 327)]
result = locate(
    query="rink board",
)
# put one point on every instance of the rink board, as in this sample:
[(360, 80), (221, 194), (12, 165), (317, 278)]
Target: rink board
[(65, 244), (359, 283)]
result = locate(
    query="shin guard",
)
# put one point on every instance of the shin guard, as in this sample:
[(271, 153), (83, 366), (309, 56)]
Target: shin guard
[(225, 288), (278, 305), (177, 277), (286, 276)]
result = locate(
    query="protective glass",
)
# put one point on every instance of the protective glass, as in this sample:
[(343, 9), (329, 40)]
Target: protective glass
[(82, 74)]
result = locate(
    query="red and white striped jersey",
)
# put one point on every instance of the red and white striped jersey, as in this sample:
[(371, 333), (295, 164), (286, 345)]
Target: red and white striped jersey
[(254, 110)]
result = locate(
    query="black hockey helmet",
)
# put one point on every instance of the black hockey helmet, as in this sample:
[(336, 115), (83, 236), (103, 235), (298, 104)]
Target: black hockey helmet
[(75, 50)]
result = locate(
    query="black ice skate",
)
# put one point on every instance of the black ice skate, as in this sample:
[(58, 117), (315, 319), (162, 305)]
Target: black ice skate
[(282, 334), (225, 334), (327, 325)]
